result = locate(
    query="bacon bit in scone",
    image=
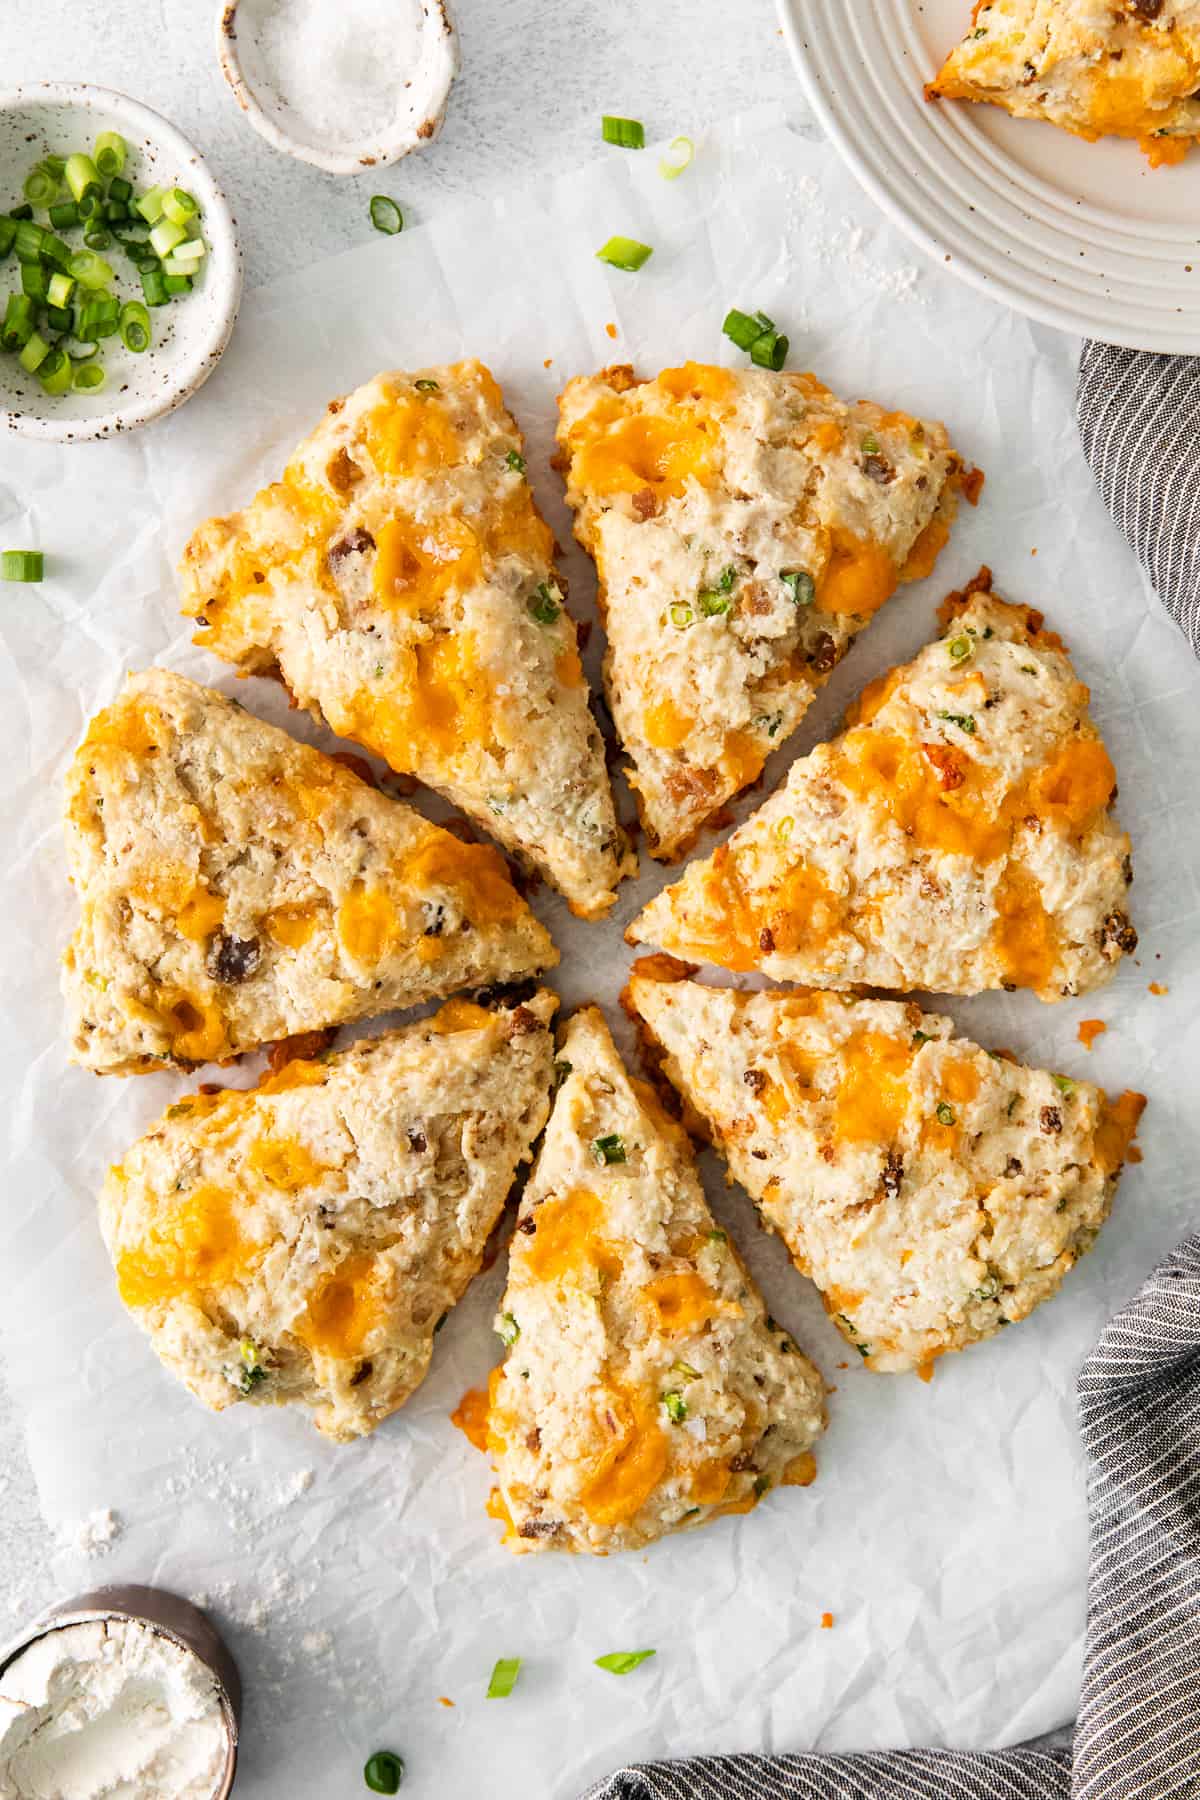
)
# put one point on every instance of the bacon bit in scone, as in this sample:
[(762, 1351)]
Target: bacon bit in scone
[(1117, 936), (1090, 1030), (343, 472), (949, 764), (306, 1046), (644, 503), (1050, 1119), (755, 1080)]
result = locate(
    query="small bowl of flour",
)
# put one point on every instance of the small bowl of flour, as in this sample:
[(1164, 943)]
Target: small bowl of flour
[(346, 85), (125, 1691)]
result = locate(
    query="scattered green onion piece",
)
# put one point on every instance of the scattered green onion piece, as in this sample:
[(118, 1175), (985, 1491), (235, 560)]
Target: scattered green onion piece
[(24, 211), (630, 134), (800, 585), (120, 189), (81, 175), (504, 1677), (154, 286), (769, 351), (681, 615), (61, 318), (135, 327), (18, 322), (515, 461), (544, 604), (625, 253), (177, 284), (97, 237), (676, 1407), (64, 216), (89, 377), (21, 565), (29, 240), (622, 1662), (8, 232), (945, 1113), (89, 270), (33, 280), (110, 153), (165, 235), (41, 186), (610, 1149), (427, 387), (383, 1772), (680, 152), (508, 1329), (745, 328), (34, 353), (54, 372), (151, 205), (386, 215)]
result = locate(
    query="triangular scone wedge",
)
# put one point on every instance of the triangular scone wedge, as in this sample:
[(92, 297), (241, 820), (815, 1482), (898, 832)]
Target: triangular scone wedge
[(934, 1192), (956, 837), (645, 1390), (237, 887), (401, 581), (1130, 69), (302, 1241), (745, 527)]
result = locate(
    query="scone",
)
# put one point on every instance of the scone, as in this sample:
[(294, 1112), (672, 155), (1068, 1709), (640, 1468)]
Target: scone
[(1130, 68), (401, 581), (745, 527), (956, 837), (236, 887), (932, 1190), (645, 1389), (302, 1242)]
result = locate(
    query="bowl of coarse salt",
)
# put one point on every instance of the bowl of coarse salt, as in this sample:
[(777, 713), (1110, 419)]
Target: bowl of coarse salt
[(346, 85), (124, 1690)]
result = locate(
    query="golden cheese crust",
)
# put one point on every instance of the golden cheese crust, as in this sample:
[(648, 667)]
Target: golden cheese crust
[(1127, 68), (401, 581), (236, 887), (302, 1241), (956, 837), (645, 1390), (745, 527), (934, 1192)]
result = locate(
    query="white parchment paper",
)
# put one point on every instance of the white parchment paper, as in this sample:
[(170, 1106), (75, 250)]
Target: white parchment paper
[(360, 1585)]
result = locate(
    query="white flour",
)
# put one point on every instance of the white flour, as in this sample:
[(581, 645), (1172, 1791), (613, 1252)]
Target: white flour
[(109, 1711), (93, 1536), (340, 66)]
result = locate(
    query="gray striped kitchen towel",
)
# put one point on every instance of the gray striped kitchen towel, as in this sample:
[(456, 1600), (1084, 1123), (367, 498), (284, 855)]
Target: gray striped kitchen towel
[(1139, 419), (1138, 1734)]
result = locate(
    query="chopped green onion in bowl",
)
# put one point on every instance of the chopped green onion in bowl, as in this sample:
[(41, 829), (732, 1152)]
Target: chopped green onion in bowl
[(630, 134), (21, 565), (386, 215), (625, 253)]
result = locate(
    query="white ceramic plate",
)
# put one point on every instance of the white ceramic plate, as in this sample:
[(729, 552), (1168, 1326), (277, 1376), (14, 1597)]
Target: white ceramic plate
[(188, 335), (1083, 236)]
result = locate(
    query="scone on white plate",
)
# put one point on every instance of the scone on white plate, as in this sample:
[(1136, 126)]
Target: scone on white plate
[(645, 1389), (301, 1242), (1129, 69), (400, 580), (236, 887), (933, 1191), (745, 527), (957, 836)]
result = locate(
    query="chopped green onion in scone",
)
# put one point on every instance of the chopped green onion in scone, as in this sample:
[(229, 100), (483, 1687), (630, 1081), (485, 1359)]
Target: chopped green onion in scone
[(610, 1149), (800, 585), (383, 1772), (386, 215), (504, 1677), (630, 134), (945, 1113), (515, 461), (622, 1662), (508, 1330), (625, 253), (21, 565), (544, 604), (676, 1407)]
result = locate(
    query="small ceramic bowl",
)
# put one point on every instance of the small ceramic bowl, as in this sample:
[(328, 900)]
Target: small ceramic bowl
[(189, 334), (173, 1618), (429, 62)]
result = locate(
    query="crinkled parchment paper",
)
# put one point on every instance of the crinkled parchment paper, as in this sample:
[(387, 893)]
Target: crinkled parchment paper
[(359, 1585)]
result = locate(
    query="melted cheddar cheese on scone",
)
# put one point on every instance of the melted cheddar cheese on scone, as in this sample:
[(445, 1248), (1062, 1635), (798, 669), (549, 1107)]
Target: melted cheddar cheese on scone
[(745, 527), (933, 1191), (645, 1389), (400, 580), (956, 837), (302, 1241), (237, 887), (1126, 68)]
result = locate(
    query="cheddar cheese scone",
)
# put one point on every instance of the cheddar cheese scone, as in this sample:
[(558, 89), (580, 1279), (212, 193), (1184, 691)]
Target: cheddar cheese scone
[(401, 581), (1128, 68), (745, 527), (645, 1389), (934, 1192), (237, 887), (956, 837), (303, 1241)]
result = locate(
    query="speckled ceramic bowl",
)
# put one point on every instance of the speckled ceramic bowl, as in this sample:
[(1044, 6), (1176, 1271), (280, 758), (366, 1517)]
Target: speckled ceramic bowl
[(189, 334), (176, 1619), (420, 98)]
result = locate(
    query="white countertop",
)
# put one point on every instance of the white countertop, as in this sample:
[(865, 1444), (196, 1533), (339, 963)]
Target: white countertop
[(535, 79)]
